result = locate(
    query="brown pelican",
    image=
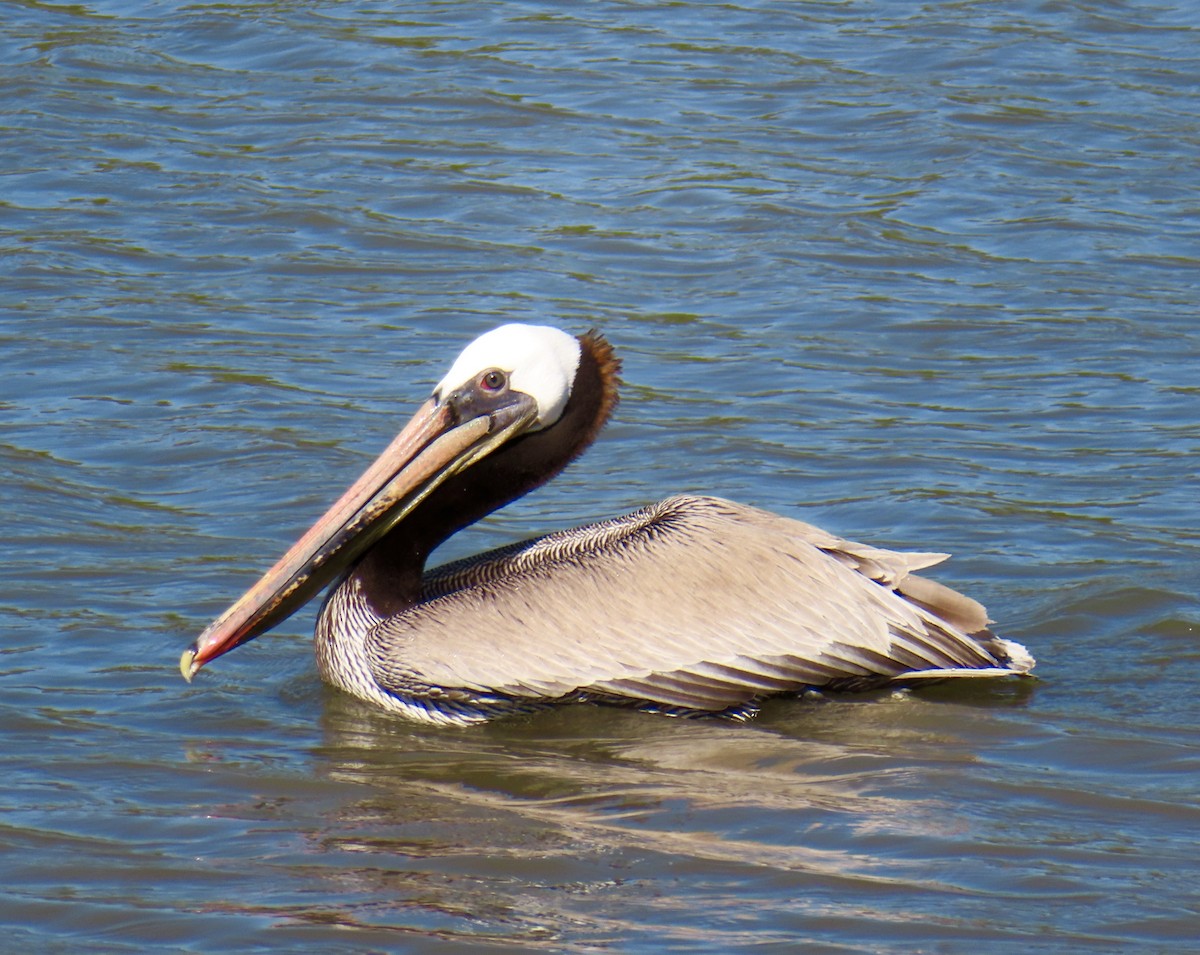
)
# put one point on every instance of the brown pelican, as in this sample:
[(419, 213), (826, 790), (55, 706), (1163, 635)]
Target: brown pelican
[(693, 605)]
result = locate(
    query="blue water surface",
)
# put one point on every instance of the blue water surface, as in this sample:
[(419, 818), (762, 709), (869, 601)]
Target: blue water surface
[(923, 275)]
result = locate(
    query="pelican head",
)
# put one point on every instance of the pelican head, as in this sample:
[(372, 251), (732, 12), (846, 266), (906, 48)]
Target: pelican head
[(516, 381), (530, 361)]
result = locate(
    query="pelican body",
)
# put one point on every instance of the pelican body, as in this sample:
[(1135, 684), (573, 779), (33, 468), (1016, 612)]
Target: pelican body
[(694, 605)]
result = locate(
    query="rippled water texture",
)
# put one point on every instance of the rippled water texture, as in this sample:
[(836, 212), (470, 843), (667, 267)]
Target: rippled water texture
[(924, 275)]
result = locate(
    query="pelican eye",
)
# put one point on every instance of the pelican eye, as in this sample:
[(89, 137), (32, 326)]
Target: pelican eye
[(493, 380)]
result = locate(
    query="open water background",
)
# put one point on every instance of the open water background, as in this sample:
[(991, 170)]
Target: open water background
[(923, 274)]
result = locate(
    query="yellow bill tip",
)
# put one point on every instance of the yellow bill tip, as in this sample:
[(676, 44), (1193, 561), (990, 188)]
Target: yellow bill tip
[(187, 664)]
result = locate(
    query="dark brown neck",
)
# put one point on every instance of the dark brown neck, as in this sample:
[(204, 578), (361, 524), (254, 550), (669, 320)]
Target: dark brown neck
[(390, 573)]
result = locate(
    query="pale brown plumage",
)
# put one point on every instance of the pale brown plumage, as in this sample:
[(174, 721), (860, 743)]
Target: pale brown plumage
[(694, 603)]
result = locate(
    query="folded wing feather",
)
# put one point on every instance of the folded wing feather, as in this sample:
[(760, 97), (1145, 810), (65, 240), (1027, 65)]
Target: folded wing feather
[(692, 602)]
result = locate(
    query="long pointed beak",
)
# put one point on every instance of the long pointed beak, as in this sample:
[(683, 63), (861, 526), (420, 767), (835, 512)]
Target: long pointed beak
[(429, 449)]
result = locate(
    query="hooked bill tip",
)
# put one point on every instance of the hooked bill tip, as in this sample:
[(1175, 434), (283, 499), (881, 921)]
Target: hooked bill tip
[(187, 664)]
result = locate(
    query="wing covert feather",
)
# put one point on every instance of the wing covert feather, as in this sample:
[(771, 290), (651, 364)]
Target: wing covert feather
[(693, 602)]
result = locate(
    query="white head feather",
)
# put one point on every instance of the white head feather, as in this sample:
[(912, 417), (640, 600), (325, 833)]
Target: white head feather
[(540, 361)]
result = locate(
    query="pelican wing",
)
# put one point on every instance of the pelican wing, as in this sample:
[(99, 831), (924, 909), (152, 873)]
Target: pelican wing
[(694, 602)]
